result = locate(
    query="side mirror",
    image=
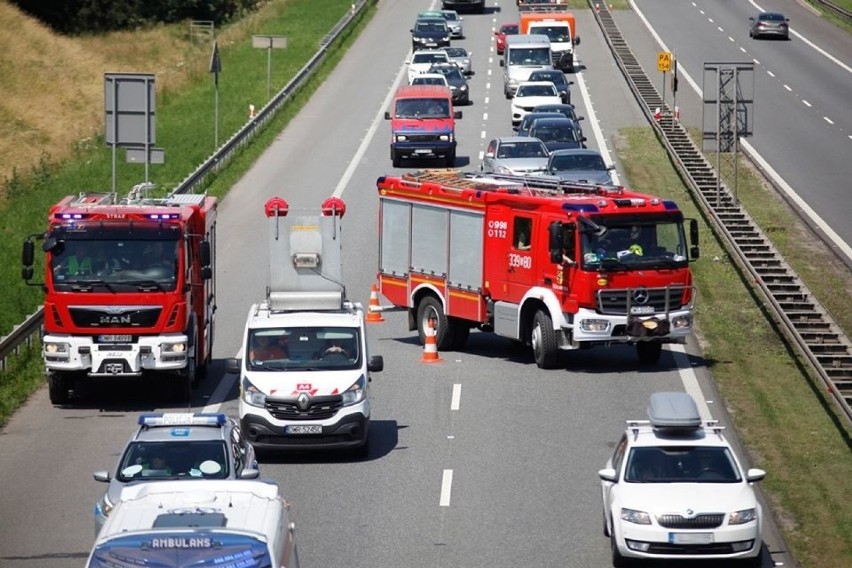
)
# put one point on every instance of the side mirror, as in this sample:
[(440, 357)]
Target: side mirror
[(457, 114), (103, 476), (250, 473), (376, 364), (502, 63), (579, 118), (28, 253), (232, 366), (577, 40), (753, 475), (387, 115), (204, 253), (608, 474)]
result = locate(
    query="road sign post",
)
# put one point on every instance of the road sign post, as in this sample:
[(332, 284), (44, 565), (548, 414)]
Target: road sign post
[(268, 42), (664, 64), (215, 68)]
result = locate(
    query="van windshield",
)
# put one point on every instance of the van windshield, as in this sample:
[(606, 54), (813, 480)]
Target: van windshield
[(529, 56), (423, 108)]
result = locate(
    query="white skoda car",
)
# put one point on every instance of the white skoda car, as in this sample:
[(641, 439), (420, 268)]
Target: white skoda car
[(673, 489)]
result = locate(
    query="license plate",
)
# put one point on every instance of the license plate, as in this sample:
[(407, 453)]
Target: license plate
[(690, 538), (304, 429), (641, 309), (114, 368), (423, 151), (115, 338)]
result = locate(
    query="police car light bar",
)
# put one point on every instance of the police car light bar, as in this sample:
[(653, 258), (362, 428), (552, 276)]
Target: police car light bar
[(182, 419)]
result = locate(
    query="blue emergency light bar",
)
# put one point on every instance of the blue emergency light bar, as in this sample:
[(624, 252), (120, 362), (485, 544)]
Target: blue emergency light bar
[(75, 216), (182, 419), (163, 216)]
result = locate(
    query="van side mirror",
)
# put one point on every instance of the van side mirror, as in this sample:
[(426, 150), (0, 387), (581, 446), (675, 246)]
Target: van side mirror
[(577, 40), (232, 366), (457, 114), (387, 115)]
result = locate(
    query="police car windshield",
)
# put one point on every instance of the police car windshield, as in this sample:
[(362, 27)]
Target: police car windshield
[(174, 459)]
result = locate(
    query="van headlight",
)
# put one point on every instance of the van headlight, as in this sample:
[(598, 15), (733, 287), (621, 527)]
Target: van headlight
[(251, 395), (634, 516), (356, 393)]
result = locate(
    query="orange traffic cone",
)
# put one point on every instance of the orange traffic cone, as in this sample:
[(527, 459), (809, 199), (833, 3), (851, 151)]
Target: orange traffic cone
[(374, 314), (430, 347)]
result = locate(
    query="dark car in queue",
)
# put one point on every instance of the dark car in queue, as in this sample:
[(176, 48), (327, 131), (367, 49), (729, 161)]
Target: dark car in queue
[(557, 133), (566, 110), (456, 81), (430, 33), (556, 77)]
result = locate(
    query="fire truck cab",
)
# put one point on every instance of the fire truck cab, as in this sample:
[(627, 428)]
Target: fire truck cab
[(555, 266), (130, 288)]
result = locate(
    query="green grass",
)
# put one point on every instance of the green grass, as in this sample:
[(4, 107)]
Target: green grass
[(781, 412)]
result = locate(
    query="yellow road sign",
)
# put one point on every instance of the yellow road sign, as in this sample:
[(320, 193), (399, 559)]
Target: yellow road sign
[(664, 61)]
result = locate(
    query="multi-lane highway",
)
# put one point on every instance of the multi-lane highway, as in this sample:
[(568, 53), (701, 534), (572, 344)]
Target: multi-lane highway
[(483, 460)]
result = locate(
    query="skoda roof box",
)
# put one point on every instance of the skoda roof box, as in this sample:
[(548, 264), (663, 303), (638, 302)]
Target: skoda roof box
[(673, 411)]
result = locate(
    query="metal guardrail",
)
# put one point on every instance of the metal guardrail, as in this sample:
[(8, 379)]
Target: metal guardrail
[(24, 333), (804, 322), (834, 8)]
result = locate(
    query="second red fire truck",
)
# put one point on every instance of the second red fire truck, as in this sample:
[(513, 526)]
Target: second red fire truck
[(551, 265)]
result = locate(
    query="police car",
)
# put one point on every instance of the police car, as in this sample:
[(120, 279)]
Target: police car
[(201, 523), (674, 489), (171, 446)]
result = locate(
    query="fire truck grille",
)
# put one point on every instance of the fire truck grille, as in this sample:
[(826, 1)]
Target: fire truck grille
[(705, 521), (316, 408), (103, 316), (640, 301)]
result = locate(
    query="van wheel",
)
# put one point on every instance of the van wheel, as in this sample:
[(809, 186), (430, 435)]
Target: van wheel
[(58, 385), (543, 339), (430, 309), (649, 352)]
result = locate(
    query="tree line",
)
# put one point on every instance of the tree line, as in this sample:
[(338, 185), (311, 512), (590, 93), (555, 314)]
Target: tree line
[(75, 17)]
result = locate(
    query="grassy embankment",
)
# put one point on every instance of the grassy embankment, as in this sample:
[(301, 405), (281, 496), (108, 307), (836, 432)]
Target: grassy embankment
[(185, 123)]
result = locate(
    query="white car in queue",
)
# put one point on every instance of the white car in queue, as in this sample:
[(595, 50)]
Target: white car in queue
[(531, 94), (674, 489), (421, 61)]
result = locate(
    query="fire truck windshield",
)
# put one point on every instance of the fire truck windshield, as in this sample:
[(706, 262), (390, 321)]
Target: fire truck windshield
[(635, 245), (120, 265)]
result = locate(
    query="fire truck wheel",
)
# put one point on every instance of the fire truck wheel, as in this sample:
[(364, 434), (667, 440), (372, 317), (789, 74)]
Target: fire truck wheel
[(649, 352), (430, 309), (58, 385), (544, 343)]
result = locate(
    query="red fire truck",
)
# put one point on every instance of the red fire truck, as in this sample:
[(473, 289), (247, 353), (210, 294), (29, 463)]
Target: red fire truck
[(552, 265), (130, 288)]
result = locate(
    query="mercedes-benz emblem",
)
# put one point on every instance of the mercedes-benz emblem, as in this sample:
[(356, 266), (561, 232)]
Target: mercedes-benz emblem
[(641, 296), (303, 400)]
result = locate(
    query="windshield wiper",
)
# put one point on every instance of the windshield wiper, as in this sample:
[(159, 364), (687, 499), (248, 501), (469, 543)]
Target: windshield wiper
[(88, 285), (147, 283)]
